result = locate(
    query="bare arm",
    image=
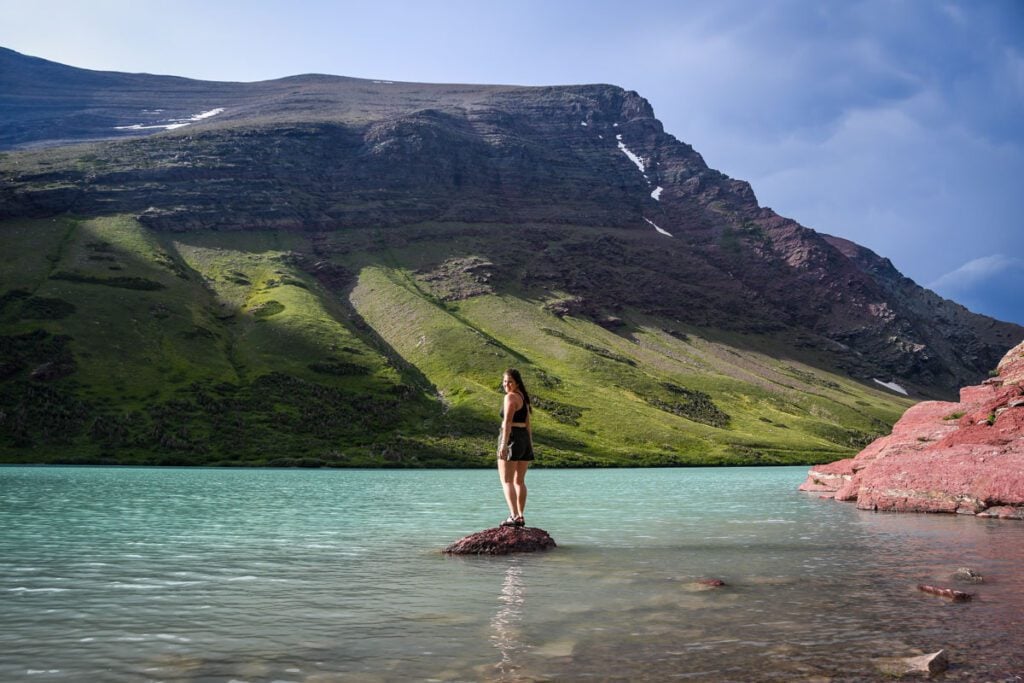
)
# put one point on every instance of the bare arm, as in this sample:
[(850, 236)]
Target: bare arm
[(506, 425)]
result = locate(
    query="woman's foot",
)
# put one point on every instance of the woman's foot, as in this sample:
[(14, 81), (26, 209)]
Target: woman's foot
[(511, 521), (519, 521)]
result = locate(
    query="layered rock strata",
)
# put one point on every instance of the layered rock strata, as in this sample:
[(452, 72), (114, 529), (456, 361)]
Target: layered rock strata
[(965, 457)]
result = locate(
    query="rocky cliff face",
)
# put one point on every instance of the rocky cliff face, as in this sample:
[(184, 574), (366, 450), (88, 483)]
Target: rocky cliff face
[(965, 457), (324, 154)]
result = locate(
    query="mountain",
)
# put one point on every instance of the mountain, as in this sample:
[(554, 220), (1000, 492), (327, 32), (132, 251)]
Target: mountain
[(338, 269)]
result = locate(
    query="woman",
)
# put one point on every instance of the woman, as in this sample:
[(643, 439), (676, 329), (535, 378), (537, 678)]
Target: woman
[(515, 445)]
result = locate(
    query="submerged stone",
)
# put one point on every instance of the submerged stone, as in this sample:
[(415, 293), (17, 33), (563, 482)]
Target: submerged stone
[(968, 575), (929, 665), (502, 541), (954, 595)]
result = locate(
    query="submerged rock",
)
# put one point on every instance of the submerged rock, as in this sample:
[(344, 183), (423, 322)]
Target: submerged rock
[(930, 665), (954, 595), (965, 457), (502, 541), (968, 575)]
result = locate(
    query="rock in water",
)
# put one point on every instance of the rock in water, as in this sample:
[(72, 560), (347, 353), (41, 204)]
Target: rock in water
[(965, 457), (968, 575), (930, 665), (502, 541), (954, 595)]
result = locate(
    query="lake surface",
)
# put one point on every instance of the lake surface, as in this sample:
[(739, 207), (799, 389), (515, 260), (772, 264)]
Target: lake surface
[(121, 574)]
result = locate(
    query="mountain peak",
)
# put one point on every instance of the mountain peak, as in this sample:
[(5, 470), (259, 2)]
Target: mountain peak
[(574, 195)]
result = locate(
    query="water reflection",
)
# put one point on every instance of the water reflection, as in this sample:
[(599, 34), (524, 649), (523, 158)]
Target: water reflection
[(506, 626)]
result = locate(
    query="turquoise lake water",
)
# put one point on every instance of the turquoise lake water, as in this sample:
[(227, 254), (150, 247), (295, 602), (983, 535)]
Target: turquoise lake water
[(122, 574)]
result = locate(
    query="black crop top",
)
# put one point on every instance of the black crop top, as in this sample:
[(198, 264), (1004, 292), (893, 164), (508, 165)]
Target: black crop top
[(518, 416)]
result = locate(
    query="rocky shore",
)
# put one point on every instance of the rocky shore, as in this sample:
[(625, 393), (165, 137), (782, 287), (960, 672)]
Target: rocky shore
[(965, 457)]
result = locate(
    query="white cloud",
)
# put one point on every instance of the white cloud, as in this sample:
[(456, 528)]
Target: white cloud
[(978, 271), (988, 284)]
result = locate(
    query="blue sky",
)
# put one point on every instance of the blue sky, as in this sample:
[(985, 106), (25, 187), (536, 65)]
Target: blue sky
[(897, 124)]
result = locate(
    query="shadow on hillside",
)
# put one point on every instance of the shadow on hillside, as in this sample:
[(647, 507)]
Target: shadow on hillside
[(620, 280)]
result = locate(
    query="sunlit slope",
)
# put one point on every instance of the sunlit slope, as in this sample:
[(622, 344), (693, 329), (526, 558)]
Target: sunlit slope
[(122, 345), (641, 396)]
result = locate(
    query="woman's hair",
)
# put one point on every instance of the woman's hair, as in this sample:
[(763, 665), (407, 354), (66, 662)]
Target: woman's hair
[(514, 374)]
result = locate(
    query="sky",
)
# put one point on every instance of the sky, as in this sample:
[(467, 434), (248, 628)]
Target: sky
[(898, 124)]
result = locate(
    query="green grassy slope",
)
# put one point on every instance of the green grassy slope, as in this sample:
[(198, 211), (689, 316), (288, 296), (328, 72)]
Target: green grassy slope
[(118, 344)]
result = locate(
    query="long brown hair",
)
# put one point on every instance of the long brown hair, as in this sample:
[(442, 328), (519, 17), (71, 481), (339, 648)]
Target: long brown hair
[(514, 374)]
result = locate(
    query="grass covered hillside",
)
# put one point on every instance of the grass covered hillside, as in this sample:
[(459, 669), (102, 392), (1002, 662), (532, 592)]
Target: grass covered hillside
[(367, 348)]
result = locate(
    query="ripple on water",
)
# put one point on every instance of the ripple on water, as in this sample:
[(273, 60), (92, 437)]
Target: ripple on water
[(337, 574)]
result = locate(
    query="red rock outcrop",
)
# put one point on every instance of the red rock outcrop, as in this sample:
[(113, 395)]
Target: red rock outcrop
[(965, 457), (502, 541)]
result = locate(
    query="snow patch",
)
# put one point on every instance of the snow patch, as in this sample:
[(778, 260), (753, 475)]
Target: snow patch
[(666, 232), (615, 125), (385, 82), (632, 157), (656, 195), (583, 123), (173, 123), (207, 114), (892, 386)]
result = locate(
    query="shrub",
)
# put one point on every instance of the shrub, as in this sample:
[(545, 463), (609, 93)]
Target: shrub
[(43, 308), (560, 412), (339, 368), (691, 404), (121, 281)]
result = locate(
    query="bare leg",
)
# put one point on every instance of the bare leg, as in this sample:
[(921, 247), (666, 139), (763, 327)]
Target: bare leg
[(519, 481), (507, 471)]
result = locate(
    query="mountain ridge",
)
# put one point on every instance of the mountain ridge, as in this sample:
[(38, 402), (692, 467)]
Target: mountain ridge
[(564, 196)]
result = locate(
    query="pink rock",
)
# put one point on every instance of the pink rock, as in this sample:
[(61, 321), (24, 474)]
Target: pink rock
[(1003, 512), (711, 583), (969, 506), (928, 665), (954, 595), (933, 462), (849, 490), (1011, 367), (1011, 421), (502, 541), (976, 394), (830, 477)]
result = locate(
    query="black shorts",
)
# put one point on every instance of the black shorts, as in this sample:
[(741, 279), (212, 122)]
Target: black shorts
[(520, 447)]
